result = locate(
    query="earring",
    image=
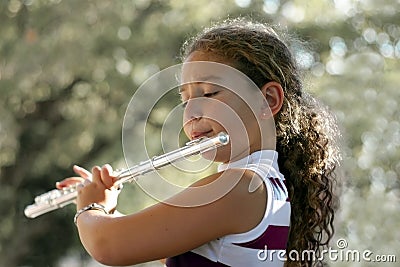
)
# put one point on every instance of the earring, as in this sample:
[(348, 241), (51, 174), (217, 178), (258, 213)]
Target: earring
[(265, 115)]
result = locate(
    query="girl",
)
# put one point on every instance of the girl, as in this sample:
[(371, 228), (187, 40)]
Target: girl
[(290, 209)]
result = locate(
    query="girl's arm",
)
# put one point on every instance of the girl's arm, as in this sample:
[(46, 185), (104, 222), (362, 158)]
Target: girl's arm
[(165, 230)]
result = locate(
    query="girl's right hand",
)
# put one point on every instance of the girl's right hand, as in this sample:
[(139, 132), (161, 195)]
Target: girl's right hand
[(84, 175)]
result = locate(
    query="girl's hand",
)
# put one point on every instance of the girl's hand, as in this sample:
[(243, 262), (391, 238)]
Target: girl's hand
[(100, 190), (84, 174)]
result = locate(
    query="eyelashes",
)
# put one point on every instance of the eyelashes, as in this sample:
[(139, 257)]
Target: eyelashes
[(211, 94), (207, 95)]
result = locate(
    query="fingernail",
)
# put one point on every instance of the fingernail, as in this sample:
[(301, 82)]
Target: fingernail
[(96, 168)]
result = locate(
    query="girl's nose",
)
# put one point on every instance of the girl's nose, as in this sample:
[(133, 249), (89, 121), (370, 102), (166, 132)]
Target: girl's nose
[(193, 109)]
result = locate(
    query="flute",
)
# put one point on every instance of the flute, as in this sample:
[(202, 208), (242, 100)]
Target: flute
[(59, 198)]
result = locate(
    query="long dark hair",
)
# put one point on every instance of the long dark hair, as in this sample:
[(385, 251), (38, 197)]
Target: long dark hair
[(306, 130)]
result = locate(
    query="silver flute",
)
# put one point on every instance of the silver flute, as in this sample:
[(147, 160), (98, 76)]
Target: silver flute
[(58, 198)]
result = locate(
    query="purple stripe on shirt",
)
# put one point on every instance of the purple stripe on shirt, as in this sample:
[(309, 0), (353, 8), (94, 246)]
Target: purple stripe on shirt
[(284, 182), (275, 237), (272, 180), (278, 181), (191, 259)]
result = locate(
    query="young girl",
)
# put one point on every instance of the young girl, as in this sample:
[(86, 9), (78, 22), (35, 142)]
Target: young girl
[(290, 209)]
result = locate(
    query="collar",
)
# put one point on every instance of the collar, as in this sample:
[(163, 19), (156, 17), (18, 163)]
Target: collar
[(264, 157)]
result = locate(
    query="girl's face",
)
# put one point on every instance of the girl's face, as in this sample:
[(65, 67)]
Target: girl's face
[(211, 105)]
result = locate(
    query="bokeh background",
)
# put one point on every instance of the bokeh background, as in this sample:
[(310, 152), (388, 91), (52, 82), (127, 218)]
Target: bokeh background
[(69, 68)]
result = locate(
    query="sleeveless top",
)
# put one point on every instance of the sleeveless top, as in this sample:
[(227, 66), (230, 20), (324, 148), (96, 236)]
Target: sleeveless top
[(265, 244)]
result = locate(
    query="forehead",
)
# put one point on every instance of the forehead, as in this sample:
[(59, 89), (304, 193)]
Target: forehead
[(202, 67), (210, 69), (201, 80)]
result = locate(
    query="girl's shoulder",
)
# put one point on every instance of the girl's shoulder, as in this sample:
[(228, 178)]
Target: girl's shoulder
[(239, 194)]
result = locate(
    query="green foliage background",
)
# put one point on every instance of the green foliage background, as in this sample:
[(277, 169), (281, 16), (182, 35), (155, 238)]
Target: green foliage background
[(68, 69)]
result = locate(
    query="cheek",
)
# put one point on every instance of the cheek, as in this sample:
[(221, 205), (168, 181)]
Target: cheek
[(246, 114), (186, 127), (239, 121), (230, 122), (229, 116)]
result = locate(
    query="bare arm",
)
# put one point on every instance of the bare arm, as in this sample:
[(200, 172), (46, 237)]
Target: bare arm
[(164, 230)]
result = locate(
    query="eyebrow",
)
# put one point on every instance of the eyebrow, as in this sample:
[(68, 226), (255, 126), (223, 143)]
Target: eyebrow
[(200, 80)]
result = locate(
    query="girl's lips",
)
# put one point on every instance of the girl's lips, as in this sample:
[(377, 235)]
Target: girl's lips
[(196, 135)]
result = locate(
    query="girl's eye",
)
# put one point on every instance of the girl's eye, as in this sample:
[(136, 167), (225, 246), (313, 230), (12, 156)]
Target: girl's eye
[(211, 94), (184, 103)]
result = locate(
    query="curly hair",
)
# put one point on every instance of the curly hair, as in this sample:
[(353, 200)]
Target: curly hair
[(306, 130)]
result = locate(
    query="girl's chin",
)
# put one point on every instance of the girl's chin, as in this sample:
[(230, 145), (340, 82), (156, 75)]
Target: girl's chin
[(209, 155), (216, 155)]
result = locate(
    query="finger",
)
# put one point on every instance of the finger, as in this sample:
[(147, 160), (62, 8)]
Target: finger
[(79, 187), (69, 182), (82, 171), (86, 182), (106, 176), (96, 175)]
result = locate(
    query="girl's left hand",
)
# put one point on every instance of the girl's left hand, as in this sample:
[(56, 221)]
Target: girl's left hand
[(100, 190)]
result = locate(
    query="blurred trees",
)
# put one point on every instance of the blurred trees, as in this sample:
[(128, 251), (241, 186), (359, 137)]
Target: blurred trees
[(69, 68)]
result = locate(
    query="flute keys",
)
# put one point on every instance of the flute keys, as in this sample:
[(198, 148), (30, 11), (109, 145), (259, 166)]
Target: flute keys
[(54, 194), (49, 196)]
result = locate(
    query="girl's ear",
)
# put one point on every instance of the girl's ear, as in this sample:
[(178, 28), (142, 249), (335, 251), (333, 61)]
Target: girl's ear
[(273, 94)]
